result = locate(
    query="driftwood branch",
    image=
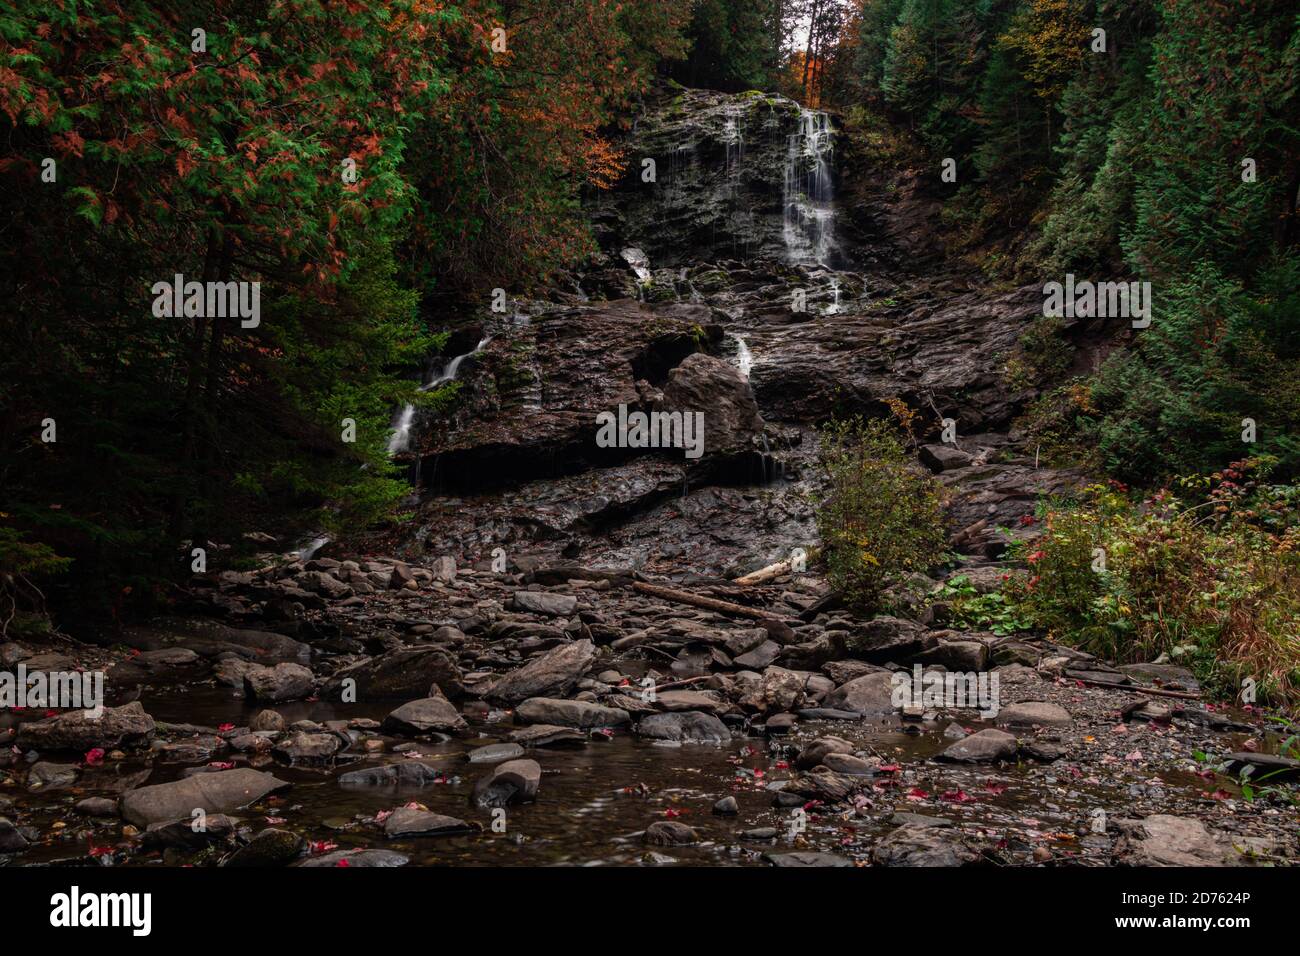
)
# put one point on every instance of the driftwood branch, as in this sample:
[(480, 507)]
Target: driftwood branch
[(763, 575), (1181, 695), (775, 627)]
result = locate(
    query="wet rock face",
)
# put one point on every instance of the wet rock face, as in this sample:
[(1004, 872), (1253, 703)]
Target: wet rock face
[(721, 164), (528, 409)]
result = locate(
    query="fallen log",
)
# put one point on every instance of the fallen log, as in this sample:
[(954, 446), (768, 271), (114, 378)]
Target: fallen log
[(1156, 691), (777, 628), (763, 575)]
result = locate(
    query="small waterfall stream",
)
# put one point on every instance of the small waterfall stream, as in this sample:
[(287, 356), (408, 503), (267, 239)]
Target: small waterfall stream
[(744, 357), (401, 436)]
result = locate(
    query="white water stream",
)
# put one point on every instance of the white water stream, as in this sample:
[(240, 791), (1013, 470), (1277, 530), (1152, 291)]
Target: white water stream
[(401, 436)]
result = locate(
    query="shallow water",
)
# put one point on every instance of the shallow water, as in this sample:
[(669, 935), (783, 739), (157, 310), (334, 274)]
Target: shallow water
[(596, 797)]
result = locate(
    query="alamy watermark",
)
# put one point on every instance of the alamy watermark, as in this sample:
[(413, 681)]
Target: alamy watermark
[(70, 690), (1102, 300), (938, 689), (683, 430), (181, 299)]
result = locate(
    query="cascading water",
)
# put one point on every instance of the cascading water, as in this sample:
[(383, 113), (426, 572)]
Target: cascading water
[(744, 358), (809, 226), (401, 436)]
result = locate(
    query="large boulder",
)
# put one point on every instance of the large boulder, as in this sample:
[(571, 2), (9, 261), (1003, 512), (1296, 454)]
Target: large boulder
[(984, 747), (553, 673), (282, 682), (871, 695), (1165, 840), (400, 675), (689, 726), (424, 716), (117, 727), (703, 383), (921, 846), (886, 639), (570, 713), (217, 792)]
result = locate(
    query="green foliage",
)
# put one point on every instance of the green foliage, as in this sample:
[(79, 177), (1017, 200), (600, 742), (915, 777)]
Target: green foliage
[(735, 45), (989, 611), (1043, 355), (880, 519), (228, 164), (19, 557), (1214, 355), (1207, 572)]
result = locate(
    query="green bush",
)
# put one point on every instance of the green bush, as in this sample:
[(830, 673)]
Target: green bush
[(1207, 571), (881, 518)]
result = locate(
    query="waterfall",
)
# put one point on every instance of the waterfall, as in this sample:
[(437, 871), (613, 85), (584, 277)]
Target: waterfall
[(809, 226), (834, 307), (734, 138), (308, 548), (401, 430), (401, 436), (744, 358)]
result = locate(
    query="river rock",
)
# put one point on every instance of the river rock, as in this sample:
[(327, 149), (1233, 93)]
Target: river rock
[(218, 792), (921, 846), (271, 847), (885, 639), (726, 807), (11, 841), (760, 657), (551, 674), (1034, 713), (983, 747), (956, 655), (546, 735), (943, 457), (545, 602), (349, 858), (400, 674), (674, 701), (670, 833), (692, 726), (282, 682), (1166, 840), (97, 807), (118, 727), (413, 822), (427, 715), (871, 695), (300, 747), (51, 776), (801, 859), (268, 720), (495, 753), (515, 781), (570, 713), (819, 749), (410, 773)]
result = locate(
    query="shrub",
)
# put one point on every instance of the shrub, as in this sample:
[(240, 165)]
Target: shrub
[(1207, 571), (881, 518)]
